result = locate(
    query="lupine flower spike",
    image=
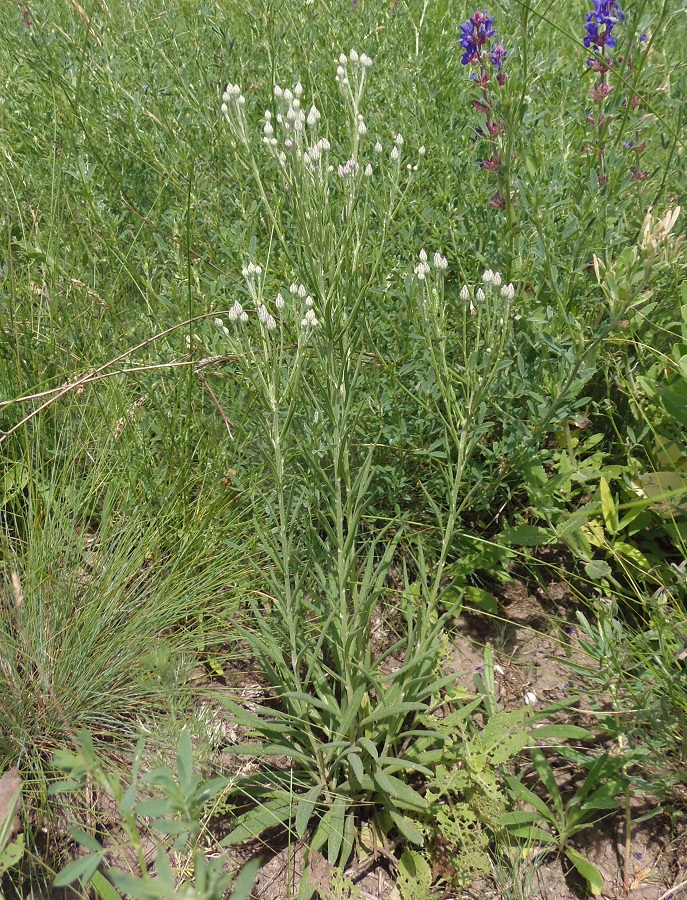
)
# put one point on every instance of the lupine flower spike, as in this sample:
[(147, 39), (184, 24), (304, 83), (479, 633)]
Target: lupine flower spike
[(600, 37), (476, 34)]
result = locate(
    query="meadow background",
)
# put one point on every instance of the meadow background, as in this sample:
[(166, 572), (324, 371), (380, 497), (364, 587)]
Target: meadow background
[(258, 543)]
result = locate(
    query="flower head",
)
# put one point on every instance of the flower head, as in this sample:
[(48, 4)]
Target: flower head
[(600, 22), (497, 56), (474, 35)]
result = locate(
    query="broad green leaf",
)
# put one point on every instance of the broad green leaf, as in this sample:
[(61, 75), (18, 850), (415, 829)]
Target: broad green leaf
[(597, 569), (367, 744), (103, 888), (348, 839), (352, 708), (245, 880), (518, 790), (81, 869), (128, 800), (12, 854), (399, 791), (533, 834), (588, 871), (337, 821), (525, 536), (86, 840), (211, 788), (276, 749), (305, 808), (608, 507), (519, 817), (389, 712), (134, 888), (356, 765), (548, 779), (482, 599), (407, 828), (156, 807), (253, 823), (415, 876), (561, 732)]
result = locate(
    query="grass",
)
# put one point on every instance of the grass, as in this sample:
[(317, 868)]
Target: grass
[(175, 490)]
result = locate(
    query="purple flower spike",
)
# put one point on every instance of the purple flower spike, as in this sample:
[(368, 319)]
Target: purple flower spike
[(474, 35), (497, 56), (599, 24)]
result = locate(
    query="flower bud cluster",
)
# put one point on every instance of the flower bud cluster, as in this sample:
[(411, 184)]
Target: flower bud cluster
[(360, 63), (233, 110), (309, 320), (423, 268), (493, 286), (349, 169)]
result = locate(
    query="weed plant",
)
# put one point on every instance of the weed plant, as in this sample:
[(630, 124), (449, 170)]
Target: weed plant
[(342, 353)]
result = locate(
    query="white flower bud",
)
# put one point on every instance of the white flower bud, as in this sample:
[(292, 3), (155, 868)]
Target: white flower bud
[(464, 293), (262, 313), (309, 320), (399, 140), (288, 96), (421, 150), (496, 280), (298, 89), (343, 59), (368, 171), (268, 130), (296, 104), (488, 276), (395, 155), (294, 288), (268, 115), (340, 72), (508, 291), (245, 272), (225, 109), (270, 323), (440, 262), (235, 312), (378, 147), (302, 291), (278, 93), (313, 116), (365, 61), (423, 256), (219, 323), (354, 56), (279, 301), (243, 318), (362, 129), (309, 302), (480, 295)]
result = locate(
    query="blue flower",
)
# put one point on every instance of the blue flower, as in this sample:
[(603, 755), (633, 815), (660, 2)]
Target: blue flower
[(474, 35), (497, 56), (605, 15)]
